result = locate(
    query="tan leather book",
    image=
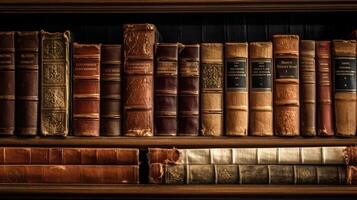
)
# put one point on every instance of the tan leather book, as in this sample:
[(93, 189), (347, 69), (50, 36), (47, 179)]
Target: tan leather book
[(344, 64), (55, 83), (86, 89), (261, 88), (70, 174), (236, 82), (286, 85), (7, 83), (211, 89), (139, 41), (307, 88)]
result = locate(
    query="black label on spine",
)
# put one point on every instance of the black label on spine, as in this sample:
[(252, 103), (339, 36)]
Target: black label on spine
[(345, 74), (261, 74), (236, 74), (287, 68)]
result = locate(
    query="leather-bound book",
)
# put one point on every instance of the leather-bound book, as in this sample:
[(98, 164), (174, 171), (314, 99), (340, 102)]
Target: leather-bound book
[(86, 89), (139, 41), (350, 155), (27, 83), (325, 123), (352, 175), (307, 88), (261, 88), (7, 83), (211, 89), (165, 93), (344, 64), (188, 90), (70, 174), (110, 90), (236, 82), (286, 85), (55, 83)]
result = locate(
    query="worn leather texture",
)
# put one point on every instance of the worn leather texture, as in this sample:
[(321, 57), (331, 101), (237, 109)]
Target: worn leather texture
[(189, 90), (325, 122), (352, 175), (165, 93), (236, 90), (350, 155), (261, 88), (286, 85), (27, 83), (307, 88), (7, 82), (110, 90), (55, 83), (212, 83), (86, 89), (139, 41)]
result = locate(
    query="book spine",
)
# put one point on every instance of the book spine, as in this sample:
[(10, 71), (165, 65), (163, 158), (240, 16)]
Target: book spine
[(27, 83), (211, 89), (86, 101), (110, 90), (188, 90), (286, 85), (139, 40), (344, 64), (7, 82), (308, 88), (236, 82), (325, 124), (261, 88), (87, 174), (55, 83), (166, 89), (351, 175)]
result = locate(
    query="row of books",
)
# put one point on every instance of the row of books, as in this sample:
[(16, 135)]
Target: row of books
[(286, 165), (282, 88)]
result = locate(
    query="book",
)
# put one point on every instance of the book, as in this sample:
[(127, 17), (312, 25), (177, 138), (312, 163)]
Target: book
[(86, 89), (165, 92), (247, 174), (188, 90), (307, 88), (236, 89), (284, 155), (7, 82), (68, 156), (211, 107), (139, 40), (351, 175), (27, 83), (344, 78), (70, 174), (286, 85), (110, 90), (325, 123), (261, 88), (55, 83)]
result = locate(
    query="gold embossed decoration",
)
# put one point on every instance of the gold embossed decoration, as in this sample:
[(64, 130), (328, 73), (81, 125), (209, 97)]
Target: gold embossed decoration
[(212, 76)]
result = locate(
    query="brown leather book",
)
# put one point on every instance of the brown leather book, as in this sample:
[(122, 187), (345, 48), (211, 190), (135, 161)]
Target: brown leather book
[(344, 63), (86, 89), (68, 156), (188, 90), (87, 174), (261, 88), (286, 85), (325, 124), (166, 68), (7, 82), (308, 88), (55, 83), (236, 82), (110, 90), (212, 89), (139, 41), (27, 83)]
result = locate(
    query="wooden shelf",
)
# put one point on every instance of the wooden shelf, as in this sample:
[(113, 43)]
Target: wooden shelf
[(181, 142)]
